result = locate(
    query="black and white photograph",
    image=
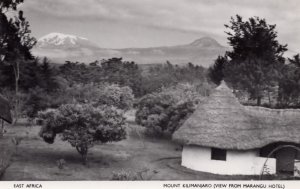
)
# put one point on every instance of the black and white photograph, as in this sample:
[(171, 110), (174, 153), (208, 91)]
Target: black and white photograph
[(149, 90)]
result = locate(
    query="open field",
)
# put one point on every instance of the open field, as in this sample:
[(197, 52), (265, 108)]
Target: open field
[(153, 159)]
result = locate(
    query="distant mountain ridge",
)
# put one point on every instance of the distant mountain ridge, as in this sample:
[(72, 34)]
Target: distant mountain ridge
[(205, 42), (61, 47)]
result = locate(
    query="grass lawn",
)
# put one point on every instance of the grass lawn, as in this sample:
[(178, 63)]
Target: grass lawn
[(154, 159)]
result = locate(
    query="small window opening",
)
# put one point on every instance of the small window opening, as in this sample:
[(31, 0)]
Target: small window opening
[(218, 154)]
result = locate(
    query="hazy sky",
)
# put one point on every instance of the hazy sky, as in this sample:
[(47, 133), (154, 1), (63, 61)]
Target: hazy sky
[(144, 23)]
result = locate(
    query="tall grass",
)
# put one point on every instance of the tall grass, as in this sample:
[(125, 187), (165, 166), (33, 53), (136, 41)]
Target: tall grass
[(5, 157)]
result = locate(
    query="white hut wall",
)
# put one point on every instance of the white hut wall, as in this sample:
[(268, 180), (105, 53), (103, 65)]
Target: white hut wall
[(237, 162)]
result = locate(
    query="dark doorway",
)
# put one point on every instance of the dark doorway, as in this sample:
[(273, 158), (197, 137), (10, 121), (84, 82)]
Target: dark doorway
[(285, 156), (285, 160)]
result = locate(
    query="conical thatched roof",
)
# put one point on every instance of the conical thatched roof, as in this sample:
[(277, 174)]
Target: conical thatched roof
[(222, 122), (5, 110)]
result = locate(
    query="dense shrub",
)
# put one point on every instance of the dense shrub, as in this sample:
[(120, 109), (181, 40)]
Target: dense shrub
[(164, 112), (101, 94), (83, 125), (82, 93), (96, 94), (152, 111), (37, 99), (113, 95)]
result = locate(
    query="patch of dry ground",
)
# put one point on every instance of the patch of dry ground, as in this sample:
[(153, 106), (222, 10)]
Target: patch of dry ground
[(36, 160)]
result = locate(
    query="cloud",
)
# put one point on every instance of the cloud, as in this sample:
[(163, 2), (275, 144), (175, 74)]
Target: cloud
[(203, 16), (191, 15)]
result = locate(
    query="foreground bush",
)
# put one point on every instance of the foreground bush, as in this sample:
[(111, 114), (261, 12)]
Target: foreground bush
[(83, 125), (127, 175)]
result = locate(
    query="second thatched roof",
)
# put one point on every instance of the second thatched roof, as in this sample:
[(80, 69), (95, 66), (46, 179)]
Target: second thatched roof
[(222, 122), (5, 110)]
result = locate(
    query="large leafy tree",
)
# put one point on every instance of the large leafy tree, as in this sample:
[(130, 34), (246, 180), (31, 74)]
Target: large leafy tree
[(256, 57), (14, 32), (83, 125), (75, 72), (289, 85), (15, 40), (48, 79), (168, 74), (123, 73)]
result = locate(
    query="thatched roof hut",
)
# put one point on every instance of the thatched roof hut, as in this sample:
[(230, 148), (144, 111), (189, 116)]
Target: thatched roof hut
[(5, 110), (222, 122), (224, 137)]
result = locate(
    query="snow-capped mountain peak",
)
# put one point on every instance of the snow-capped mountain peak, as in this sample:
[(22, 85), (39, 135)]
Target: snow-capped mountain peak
[(55, 40)]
